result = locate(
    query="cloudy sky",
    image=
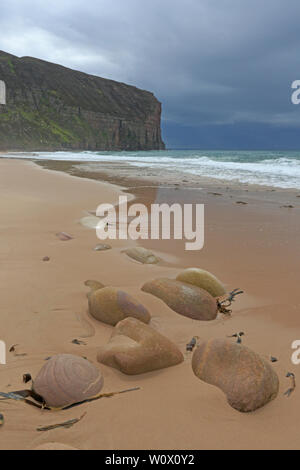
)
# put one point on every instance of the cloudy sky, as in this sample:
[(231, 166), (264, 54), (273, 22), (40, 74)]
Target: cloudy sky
[(223, 69)]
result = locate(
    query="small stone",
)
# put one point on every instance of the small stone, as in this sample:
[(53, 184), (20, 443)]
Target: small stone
[(63, 236), (102, 247), (78, 342), (94, 285), (46, 258), (142, 255), (90, 221)]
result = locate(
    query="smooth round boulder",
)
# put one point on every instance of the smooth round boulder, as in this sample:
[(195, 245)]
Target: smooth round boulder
[(204, 279), (185, 299), (67, 379), (248, 381), (142, 255), (136, 348), (111, 305)]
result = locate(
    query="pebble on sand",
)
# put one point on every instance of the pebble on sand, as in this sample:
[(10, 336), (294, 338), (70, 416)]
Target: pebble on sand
[(136, 348), (204, 279), (111, 305), (102, 247), (64, 237), (186, 299), (94, 285), (248, 381), (90, 221), (142, 255)]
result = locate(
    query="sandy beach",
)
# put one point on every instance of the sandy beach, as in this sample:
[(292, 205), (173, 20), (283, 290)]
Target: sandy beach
[(252, 242)]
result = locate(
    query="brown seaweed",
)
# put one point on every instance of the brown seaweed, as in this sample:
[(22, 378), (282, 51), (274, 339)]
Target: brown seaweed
[(66, 424)]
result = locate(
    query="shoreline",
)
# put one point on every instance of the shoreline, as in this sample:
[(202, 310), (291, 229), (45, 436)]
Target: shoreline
[(251, 246), (125, 173)]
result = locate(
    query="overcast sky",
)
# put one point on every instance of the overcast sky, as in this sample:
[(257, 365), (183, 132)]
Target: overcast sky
[(222, 68)]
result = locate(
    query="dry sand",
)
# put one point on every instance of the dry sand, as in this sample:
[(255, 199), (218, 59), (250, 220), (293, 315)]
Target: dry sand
[(44, 307)]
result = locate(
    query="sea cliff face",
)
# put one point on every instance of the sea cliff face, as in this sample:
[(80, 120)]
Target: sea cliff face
[(50, 107)]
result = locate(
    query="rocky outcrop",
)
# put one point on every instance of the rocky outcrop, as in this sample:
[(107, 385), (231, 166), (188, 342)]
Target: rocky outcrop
[(50, 107)]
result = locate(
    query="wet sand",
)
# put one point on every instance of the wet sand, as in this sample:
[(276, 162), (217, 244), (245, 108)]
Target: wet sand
[(254, 246)]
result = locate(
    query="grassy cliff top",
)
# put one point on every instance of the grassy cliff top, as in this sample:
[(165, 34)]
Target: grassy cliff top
[(74, 88)]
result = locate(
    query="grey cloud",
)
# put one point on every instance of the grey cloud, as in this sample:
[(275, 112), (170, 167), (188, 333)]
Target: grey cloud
[(208, 61)]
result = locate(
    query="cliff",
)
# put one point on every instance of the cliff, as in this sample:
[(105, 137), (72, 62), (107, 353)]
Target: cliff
[(50, 107)]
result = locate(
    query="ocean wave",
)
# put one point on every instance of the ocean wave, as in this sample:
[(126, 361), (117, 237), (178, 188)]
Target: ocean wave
[(263, 168)]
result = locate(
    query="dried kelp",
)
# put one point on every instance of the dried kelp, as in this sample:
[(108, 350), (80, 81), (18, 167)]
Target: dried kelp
[(192, 344), (27, 378), (289, 392), (22, 395), (224, 304), (66, 424)]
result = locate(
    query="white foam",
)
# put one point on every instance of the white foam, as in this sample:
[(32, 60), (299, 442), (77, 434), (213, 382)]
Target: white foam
[(282, 172)]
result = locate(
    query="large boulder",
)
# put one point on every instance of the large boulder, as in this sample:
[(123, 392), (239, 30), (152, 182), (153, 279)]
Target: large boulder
[(111, 305), (66, 379), (248, 381), (204, 279), (185, 299), (142, 255), (136, 348)]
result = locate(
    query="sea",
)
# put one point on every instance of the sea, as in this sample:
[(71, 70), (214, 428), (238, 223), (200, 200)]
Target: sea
[(279, 169)]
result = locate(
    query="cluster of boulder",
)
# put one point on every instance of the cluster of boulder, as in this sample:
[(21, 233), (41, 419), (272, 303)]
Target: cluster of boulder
[(247, 380)]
